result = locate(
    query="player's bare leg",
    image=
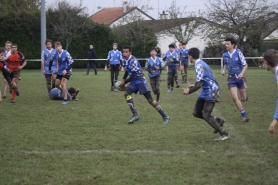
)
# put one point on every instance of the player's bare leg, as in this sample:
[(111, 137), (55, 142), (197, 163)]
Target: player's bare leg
[(182, 74), (58, 83), (13, 87), (4, 88), (64, 90), (243, 95), (185, 74), (233, 91), (53, 80)]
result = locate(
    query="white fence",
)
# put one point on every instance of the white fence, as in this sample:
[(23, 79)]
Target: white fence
[(144, 59)]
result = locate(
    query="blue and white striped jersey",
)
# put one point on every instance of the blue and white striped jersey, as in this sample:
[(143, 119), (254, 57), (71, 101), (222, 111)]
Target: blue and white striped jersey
[(151, 64), (64, 60), (211, 90), (234, 61), (115, 57)]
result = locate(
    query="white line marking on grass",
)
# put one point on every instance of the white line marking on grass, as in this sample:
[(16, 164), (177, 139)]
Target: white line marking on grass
[(105, 151)]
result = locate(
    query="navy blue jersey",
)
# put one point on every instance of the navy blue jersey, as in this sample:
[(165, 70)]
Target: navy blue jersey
[(151, 64), (132, 65), (183, 55), (174, 55), (115, 57), (234, 61)]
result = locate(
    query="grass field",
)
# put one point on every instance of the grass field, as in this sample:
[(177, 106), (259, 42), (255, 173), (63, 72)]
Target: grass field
[(89, 142)]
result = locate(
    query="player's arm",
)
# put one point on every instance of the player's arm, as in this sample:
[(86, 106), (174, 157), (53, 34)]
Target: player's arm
[(162, 65), (70, 62), (107, 61), (132, 77), (147, 66), (271, 127), (244, 63), (6, 75), (22, 59), (42, 62)]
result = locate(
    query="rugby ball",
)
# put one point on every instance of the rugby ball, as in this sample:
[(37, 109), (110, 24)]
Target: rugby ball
[(117, 86)]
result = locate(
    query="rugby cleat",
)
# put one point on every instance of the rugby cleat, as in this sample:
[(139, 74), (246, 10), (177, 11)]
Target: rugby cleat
[(177, 86), (172, 90), (133, 119), (65, 103), (12, 101), (169, 90), (222, 138), (166, 120), (245, 119)]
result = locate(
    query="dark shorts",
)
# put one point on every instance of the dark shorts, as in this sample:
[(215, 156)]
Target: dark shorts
[(184, 64), (233, 81), (172, 69), (15, 74), (142, 88), (59, 77)]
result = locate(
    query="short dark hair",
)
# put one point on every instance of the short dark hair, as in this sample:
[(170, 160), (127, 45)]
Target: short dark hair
[(14, 44), (58, 43), (2, 50), (172, 45), (194, 53), (271, 56), (47, 40), (128, 47), (232, 40), (153, 49), (72, 90), (184, 43)]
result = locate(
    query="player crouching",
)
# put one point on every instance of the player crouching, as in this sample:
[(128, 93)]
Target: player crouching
[(56, 94)]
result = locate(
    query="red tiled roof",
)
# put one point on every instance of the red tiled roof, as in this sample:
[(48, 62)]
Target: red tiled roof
[(109, 15)]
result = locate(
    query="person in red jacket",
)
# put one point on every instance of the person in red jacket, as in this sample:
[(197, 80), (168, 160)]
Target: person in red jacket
[(14, 67)]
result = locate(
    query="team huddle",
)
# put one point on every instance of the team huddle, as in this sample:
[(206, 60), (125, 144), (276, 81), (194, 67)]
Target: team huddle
[(57, 67)]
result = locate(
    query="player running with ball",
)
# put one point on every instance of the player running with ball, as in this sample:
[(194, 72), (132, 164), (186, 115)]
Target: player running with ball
[(209, 95), (137, 82)]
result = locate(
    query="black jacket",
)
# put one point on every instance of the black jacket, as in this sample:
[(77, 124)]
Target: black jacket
[(92, 54)]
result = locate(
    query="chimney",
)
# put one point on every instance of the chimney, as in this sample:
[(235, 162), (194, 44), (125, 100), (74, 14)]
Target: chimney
[(124, 6), (163, 15)]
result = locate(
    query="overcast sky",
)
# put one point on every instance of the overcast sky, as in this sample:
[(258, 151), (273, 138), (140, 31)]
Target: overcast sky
[(191, 5)]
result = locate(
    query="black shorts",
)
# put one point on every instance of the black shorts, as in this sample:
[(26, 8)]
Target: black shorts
[(59, 77)]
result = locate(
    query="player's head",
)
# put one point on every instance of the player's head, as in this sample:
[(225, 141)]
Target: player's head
[(193, 54), (8, 45), (127, 51), (48, 43), (72, 91), (91, 46), (153, 52), (13, 47), (171, 47), (58, 46), (271, 59), (230, 43), (115, 46), (2, 51), (184, 45)]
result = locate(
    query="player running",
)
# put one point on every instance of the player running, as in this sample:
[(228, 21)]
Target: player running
[(137, 82), (7, 52), (209, 95), (171, 58), (154, 65), (236, 65), (183, 52)]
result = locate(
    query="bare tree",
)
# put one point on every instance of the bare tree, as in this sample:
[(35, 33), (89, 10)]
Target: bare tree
[(69, 22), (183, 25), (240, 19)]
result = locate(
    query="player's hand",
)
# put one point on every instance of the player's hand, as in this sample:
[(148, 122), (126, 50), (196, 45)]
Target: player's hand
[(271, 127), (122, 85), (240, 76), (156, 67), (43, 72), (122, 69), (56, 70), (223, 72), (64, 72), (185, 90), (171, 60), (105, 68), (19, 67), (153, 71)]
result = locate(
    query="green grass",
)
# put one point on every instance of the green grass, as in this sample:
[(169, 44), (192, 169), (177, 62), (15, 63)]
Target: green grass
[(89, 141)]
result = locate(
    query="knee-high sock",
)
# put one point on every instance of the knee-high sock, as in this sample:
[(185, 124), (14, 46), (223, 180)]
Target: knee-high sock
[(130, 103)]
